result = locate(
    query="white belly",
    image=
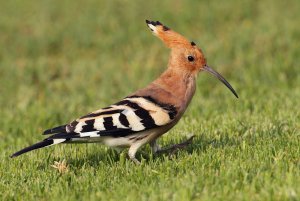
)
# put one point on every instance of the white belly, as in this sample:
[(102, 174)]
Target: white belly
[(127, 141)]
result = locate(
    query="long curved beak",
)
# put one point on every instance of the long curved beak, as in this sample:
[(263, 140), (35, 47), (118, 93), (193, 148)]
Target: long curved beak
[(221, 78)]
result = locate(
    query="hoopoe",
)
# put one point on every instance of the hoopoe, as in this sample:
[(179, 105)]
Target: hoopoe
[(145, 115)]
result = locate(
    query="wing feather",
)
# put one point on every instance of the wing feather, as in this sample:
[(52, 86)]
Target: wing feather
[(132, 114)]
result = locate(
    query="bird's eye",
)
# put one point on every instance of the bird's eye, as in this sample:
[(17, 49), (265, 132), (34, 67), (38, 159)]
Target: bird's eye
[(191, 58)]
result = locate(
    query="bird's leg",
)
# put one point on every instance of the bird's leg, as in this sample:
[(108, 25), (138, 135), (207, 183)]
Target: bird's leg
[(155, 146), (132, 151), (175, 147)]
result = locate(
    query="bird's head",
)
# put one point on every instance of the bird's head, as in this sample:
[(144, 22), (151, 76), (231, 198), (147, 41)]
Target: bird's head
[(185, 55)]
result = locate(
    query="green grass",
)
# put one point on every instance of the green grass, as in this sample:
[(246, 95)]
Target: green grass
[(62, 59)]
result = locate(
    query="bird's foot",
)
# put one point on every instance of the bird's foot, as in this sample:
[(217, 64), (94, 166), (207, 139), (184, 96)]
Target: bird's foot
[(172, 149), (132, 151), (136, 161)]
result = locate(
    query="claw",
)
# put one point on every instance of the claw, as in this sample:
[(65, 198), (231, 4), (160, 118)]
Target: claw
[(136, 161), (172, 149)]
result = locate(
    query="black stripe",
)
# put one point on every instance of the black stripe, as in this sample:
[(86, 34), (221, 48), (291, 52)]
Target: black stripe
[(66, 136), (38, 145), (101, 113), (57, 129), (143, 114), (105, 108), (165, 28), (152, 22), (172, 111), (89, 126), (123, 120), (108, 123), (158, 23), (116, 132), (111, 112)]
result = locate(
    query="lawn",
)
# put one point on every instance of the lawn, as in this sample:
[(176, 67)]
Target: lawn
[(62, 59)]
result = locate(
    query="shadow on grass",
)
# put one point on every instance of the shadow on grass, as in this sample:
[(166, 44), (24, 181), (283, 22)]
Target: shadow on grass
[(111, 157), (201, 143), (94, 159)]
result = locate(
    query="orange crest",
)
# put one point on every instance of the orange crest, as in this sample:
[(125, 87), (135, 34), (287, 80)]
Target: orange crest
[(185, 54), (171, 38)]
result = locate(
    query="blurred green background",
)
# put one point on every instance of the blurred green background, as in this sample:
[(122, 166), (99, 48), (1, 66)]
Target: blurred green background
[(62, 59)]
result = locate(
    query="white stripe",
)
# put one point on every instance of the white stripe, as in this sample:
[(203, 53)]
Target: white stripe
[(57, 141), (99, 124), (153, 28), (134, 120), (78, 127), (116, 121), (90, 134), (158, 114)]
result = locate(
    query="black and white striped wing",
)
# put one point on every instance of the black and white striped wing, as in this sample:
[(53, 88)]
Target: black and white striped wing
[(132, 114)]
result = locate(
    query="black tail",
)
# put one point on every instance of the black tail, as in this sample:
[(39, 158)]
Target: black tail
[(58, 129), (44, 143)]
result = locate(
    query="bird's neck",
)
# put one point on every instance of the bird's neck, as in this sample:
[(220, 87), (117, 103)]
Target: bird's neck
[(180, 84)]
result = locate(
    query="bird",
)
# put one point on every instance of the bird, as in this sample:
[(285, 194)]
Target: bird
[(145, 115)]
